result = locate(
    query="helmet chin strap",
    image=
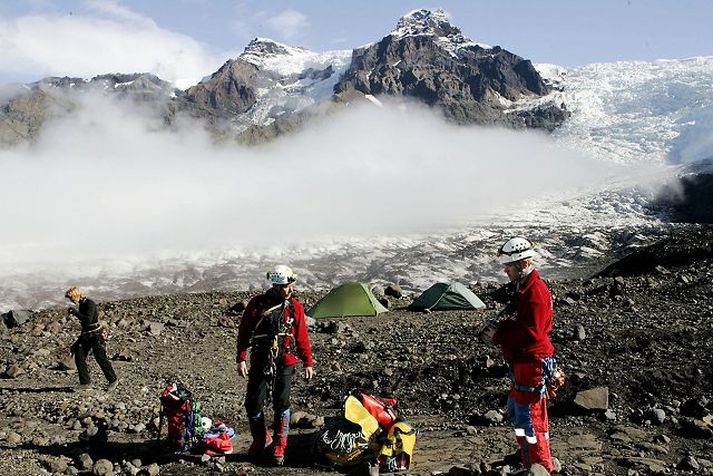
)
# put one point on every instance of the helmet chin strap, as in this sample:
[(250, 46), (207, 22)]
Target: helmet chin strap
[(525, 272)]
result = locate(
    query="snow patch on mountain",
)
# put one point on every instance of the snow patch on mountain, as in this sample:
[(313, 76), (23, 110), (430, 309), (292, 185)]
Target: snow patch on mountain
[(435, 23), (296, 79), (285, 60), (553, 75)]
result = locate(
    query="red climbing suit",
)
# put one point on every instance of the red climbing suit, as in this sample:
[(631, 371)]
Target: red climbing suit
[(524, 340)]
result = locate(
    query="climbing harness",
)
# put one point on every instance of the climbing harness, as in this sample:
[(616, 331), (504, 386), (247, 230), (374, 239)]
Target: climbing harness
[(553, 378), (278, 329)]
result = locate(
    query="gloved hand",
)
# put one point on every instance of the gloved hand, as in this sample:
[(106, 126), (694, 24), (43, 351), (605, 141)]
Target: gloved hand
[(72, 311)]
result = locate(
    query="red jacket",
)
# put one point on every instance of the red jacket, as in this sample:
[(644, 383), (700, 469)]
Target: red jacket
[(524, 335), (255, 310)]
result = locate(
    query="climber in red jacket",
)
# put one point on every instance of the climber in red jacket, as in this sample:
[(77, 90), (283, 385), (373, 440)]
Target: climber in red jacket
[(524, 339), (274, 326)]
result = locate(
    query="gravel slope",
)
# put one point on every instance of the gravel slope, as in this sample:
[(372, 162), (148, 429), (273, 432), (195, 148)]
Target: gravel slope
[(642, 331)]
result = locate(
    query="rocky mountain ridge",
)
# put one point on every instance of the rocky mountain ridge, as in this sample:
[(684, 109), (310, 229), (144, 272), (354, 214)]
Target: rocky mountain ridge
[(29, 106), (429, 59), (272, 88)]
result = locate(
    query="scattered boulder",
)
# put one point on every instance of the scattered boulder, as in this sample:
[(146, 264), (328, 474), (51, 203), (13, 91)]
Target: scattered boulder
[(652, 465), (579, 333), (493, 417), (695, 407), (13, 371), (627, 434), (124, 323), (85, 462), (67, 363), (658, 416), (689, 463), (333, 327), (394, 291), (54, 328), (155, 328), (695, 428), (662, 439), (16, 318), (13, 439), (57, 465), (297, 417), (153, 469), (103, 467), (463, 471), (123, 356), (584, 441), (538, 470), (593, 399)]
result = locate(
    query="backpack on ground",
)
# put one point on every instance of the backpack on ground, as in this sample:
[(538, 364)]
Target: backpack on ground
[(177, 410), (370, 430)]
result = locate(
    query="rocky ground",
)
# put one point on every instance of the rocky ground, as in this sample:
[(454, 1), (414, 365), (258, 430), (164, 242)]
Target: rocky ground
[(634, 340)]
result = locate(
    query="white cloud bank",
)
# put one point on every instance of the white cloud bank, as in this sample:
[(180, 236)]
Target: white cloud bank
[(116, 39), (105, 184)]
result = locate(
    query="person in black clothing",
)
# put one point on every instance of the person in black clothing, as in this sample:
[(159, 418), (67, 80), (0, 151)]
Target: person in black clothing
[(91, 339)]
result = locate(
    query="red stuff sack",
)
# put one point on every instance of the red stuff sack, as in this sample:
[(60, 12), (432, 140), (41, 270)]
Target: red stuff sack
[(384, 410)]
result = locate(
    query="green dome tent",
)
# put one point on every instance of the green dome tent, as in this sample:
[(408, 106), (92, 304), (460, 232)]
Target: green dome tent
[(349, 299), (444, 296)]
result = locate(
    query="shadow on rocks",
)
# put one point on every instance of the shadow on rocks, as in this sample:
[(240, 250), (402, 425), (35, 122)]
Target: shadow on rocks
[(38, 390), (298, 453), (147, 451)]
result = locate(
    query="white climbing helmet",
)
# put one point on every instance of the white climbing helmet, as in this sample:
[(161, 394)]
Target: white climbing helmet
[(515, 249), (281, 275), (206, 423)]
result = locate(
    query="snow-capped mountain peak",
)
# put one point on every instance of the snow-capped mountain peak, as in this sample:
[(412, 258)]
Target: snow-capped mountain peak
[(260, 48), (433, 23), (270, 55), (425, 22)]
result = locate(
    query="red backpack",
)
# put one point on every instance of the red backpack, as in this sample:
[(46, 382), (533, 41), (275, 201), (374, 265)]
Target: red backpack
[(177, 411)]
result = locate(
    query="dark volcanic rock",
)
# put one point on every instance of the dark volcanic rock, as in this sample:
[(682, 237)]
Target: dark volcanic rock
[(682, 248), (231, 90), (690, 199), (16, 318), (428, 59)]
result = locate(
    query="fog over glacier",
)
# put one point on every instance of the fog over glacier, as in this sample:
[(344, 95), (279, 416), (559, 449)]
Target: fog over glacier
[(106, 183), (111, 200)]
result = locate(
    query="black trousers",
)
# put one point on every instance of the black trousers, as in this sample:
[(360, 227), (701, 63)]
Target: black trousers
[(257, 388), (91, 342)]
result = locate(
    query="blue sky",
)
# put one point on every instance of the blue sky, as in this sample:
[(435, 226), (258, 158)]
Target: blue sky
[(185, 39)]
